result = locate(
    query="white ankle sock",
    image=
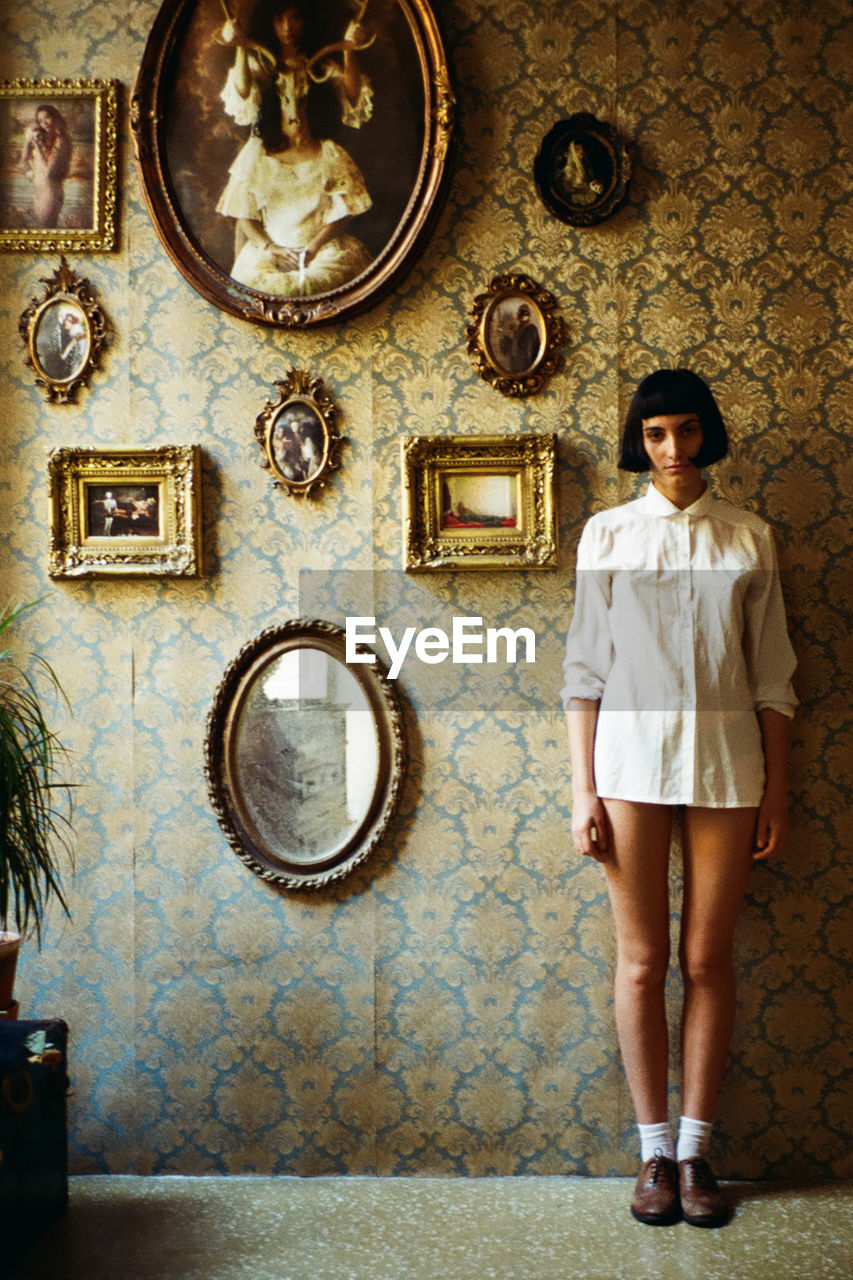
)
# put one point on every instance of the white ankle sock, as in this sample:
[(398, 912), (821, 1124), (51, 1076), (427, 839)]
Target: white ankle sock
[(656, 1140), (693, 1137)]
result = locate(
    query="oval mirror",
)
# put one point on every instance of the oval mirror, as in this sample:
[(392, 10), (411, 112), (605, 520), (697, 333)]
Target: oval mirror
[(304, 755)]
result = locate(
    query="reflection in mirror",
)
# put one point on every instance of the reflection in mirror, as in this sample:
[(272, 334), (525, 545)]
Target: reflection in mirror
[(304, 755)]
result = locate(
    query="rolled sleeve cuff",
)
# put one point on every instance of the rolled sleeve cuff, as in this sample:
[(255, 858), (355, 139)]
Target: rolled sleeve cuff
[(588, 690), (785, 706)]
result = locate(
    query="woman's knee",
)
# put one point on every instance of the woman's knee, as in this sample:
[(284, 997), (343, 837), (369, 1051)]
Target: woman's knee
[(643, 970), (706, 967)]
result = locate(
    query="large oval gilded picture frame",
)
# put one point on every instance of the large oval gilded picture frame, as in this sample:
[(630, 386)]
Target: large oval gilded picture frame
[(293, 157), (304, 755)]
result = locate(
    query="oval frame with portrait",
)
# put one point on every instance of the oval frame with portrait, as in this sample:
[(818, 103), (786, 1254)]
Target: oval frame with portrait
[(298, 435), (515, 335), (63, 332), (233, 201), (582, 170)]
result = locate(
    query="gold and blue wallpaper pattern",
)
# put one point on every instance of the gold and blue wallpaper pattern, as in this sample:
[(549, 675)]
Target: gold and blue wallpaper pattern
[(449, 1011)]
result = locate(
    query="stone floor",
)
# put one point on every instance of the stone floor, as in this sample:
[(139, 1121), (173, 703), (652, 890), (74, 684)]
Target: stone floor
[(430, 1229)]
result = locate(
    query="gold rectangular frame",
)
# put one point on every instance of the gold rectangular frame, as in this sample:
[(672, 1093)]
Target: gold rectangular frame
[(171, 475), (430, 542), (99, 169)]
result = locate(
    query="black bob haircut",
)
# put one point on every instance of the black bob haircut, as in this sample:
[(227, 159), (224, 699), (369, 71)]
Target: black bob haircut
[(672, 391)]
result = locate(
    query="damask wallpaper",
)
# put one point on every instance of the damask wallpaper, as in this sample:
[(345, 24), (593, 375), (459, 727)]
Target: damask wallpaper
[(450, 1010)]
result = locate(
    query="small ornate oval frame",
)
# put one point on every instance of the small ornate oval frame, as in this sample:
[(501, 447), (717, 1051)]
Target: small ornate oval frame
[(63, 332), (582, 170), (515, 335), (298, 435)]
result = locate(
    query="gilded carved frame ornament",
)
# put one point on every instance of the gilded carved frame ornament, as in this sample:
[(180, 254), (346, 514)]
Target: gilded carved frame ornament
[(479, 502), (515, 335), (125, 512), (58, 170), (401, 149), (63, 332), (298, 435)]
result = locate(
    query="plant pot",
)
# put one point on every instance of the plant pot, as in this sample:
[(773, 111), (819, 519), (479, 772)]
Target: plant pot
[(9, 946)]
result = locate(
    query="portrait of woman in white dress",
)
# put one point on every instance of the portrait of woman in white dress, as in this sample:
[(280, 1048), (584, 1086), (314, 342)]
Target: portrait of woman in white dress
[(291, 193), (291, 155)]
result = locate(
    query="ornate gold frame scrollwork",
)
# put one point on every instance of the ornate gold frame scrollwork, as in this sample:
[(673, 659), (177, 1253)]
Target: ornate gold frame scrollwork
[(435, 537), (101, 235), (510, 372), (281, 866), (582, 170), (64, 364), (278, 428), (152, 498), (401, 230)]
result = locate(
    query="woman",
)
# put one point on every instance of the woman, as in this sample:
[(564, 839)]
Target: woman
[(291, 194), (678, 671), (73, 344), (47, 157)]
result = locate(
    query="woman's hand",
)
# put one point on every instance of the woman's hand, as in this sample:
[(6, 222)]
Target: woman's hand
[(357, 36), (589, 825), (771, 825), (284, 259)]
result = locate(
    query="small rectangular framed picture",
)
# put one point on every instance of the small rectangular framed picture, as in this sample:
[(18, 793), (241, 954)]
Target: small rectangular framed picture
[(125, 512), (58, 165), (479, 502)]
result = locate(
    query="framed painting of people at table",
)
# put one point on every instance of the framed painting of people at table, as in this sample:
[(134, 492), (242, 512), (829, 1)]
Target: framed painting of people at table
[(58, 165), (479, 502), (125, 512), (293, 156), (515, 335)]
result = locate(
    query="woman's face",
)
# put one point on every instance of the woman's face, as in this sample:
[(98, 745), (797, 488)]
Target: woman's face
[(44, 120), (287, 25), (672, 441)]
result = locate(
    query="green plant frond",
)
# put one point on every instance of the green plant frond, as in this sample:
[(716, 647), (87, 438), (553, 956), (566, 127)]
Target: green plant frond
[(34, 829)]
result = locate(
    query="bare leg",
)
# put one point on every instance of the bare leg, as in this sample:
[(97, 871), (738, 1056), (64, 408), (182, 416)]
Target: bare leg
[(717, 848), (636, 866)]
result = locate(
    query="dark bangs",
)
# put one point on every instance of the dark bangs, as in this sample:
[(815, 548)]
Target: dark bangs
[(670, 391)]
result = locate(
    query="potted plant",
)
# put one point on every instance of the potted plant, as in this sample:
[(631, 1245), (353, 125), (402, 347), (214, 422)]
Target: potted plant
[(34, 806)]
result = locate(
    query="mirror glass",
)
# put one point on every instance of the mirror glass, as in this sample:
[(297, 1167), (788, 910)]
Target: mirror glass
[(304, 755)]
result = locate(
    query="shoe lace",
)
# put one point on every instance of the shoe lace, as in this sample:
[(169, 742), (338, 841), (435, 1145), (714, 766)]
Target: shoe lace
[(661, 1169), (701, 1175)]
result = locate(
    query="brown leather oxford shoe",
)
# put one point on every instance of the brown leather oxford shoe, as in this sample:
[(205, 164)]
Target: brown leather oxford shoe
[(655, 1198), (702, 1202)]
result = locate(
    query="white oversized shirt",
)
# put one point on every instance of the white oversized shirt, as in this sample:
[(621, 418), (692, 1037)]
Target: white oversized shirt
[(679, 632)]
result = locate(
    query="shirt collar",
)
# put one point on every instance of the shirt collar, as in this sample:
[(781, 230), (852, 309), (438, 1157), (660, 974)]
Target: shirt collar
[(655, 504)]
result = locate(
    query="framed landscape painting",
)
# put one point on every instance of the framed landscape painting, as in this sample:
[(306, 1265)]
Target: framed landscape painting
[(479, 502)]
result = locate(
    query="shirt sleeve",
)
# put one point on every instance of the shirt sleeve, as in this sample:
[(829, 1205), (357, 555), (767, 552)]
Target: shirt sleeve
[(357, 113), (346, 194), (770, 659), (242, 110), (589, 647)]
